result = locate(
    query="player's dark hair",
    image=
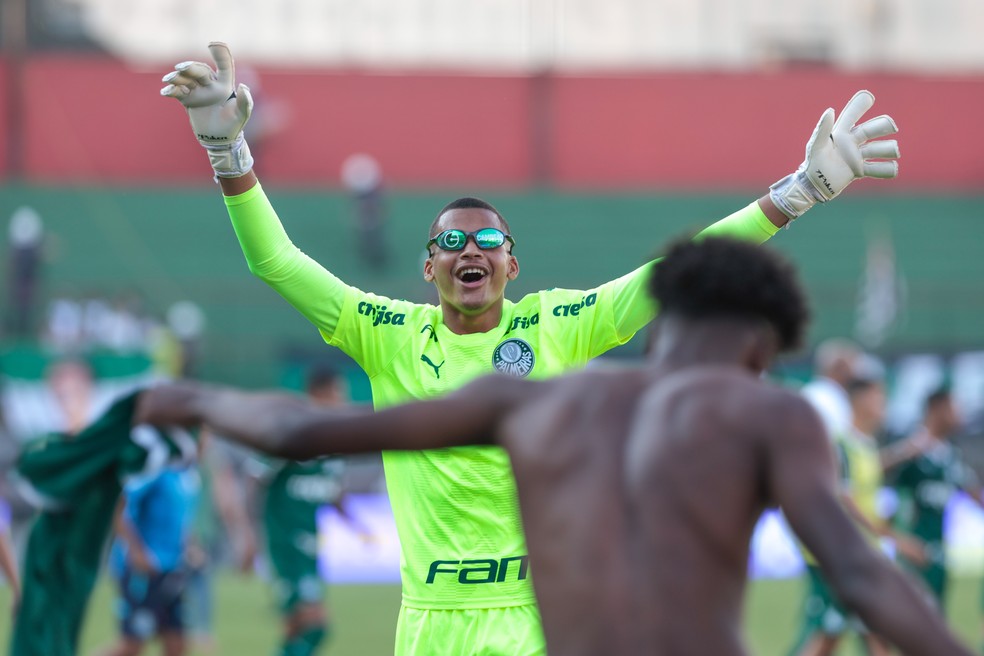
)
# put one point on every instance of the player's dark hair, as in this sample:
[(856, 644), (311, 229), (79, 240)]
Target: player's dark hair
[(937, 397), (468, 202), (857, 386), (725, 278), (321, 375)]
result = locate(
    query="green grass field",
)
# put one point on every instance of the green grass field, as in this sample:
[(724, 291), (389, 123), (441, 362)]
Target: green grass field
[(365, 618)]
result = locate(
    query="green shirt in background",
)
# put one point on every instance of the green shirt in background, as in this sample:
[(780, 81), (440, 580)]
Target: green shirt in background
[(925, 486)]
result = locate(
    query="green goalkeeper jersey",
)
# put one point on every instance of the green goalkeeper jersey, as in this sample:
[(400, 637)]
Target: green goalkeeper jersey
[(456, 510)]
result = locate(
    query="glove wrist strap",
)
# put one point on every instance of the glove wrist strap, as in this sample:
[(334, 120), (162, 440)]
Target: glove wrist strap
[(794, 195), (230, 160)]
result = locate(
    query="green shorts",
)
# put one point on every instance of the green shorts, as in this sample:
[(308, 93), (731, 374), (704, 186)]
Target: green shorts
[(823, 612), (292, 591), (296, 579), (512, 631)]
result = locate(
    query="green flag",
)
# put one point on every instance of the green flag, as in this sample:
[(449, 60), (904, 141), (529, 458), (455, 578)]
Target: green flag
[(77, 480)]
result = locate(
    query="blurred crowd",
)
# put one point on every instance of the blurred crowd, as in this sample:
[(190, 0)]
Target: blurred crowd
[(922, 468), (210, 509)]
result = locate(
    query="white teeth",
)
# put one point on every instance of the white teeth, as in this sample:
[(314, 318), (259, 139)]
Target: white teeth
[(471, 270)]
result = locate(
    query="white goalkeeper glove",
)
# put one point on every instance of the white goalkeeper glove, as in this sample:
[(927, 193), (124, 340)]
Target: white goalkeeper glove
[(217, 111), (838, 153)]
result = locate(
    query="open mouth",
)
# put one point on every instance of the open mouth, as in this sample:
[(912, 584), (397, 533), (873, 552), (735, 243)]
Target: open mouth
[(472, 275)]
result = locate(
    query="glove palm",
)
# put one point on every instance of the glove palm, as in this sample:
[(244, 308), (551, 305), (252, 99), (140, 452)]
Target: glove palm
[(216, 110), (838, 153)]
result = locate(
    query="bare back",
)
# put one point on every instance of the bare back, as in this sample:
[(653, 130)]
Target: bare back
[(640, 493)]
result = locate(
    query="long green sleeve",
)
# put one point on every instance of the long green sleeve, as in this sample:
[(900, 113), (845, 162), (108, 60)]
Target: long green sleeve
[(313, 290)]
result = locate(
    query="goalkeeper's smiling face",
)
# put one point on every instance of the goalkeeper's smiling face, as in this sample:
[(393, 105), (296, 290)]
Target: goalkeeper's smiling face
[(471, 282)]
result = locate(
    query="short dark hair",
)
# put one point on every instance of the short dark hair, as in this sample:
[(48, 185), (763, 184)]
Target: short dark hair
[(321, 375), (857, 386), (724, 278), (941, 394), (468, 202)]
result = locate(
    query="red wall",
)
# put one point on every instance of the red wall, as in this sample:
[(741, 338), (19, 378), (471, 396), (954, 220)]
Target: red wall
[(735, 131), (4, 119), (93, 120)]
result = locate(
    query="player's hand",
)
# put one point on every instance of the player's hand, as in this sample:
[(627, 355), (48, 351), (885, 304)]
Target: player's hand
[(168, 404), (217, 109), (838, 153), (912, 549)]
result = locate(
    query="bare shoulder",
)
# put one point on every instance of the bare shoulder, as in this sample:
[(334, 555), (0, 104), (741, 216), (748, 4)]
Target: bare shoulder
[(791, 417), (759, 401), (600, 381)]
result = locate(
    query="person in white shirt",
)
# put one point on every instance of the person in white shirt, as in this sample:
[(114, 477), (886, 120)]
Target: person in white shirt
[(835, 363)]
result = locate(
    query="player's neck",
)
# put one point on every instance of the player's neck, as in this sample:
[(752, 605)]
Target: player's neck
[(461, 323), (866, 428), (686, 343)]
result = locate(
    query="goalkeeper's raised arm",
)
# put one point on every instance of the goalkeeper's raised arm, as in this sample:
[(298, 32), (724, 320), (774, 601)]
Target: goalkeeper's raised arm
[(839, 151)]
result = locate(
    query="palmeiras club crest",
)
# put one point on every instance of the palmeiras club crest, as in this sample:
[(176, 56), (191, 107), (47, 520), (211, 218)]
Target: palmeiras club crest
[(513, 357)]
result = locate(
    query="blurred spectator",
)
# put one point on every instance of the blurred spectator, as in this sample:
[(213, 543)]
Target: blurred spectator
[(149, 557), (363, 178), (290, 495), (187, 321), (125, 328), (94, 323), (63, 404), (72, 386), (26, 236), (826, 620), (835, 361), (165, 350), (926, 471), (63, 327)]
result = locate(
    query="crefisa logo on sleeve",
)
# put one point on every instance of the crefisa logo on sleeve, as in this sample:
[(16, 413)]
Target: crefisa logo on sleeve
[(513, 357)]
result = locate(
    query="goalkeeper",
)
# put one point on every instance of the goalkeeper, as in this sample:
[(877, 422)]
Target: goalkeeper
[(456, 511)]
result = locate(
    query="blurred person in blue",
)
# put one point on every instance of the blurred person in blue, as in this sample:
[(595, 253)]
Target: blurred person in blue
[(461, 505), (149, 560)]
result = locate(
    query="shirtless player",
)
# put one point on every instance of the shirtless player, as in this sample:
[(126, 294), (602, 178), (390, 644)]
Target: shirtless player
[(639, 487)]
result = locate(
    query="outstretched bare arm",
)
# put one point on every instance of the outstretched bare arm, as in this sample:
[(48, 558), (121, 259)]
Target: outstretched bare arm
[(801, 477), (290, 427)]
